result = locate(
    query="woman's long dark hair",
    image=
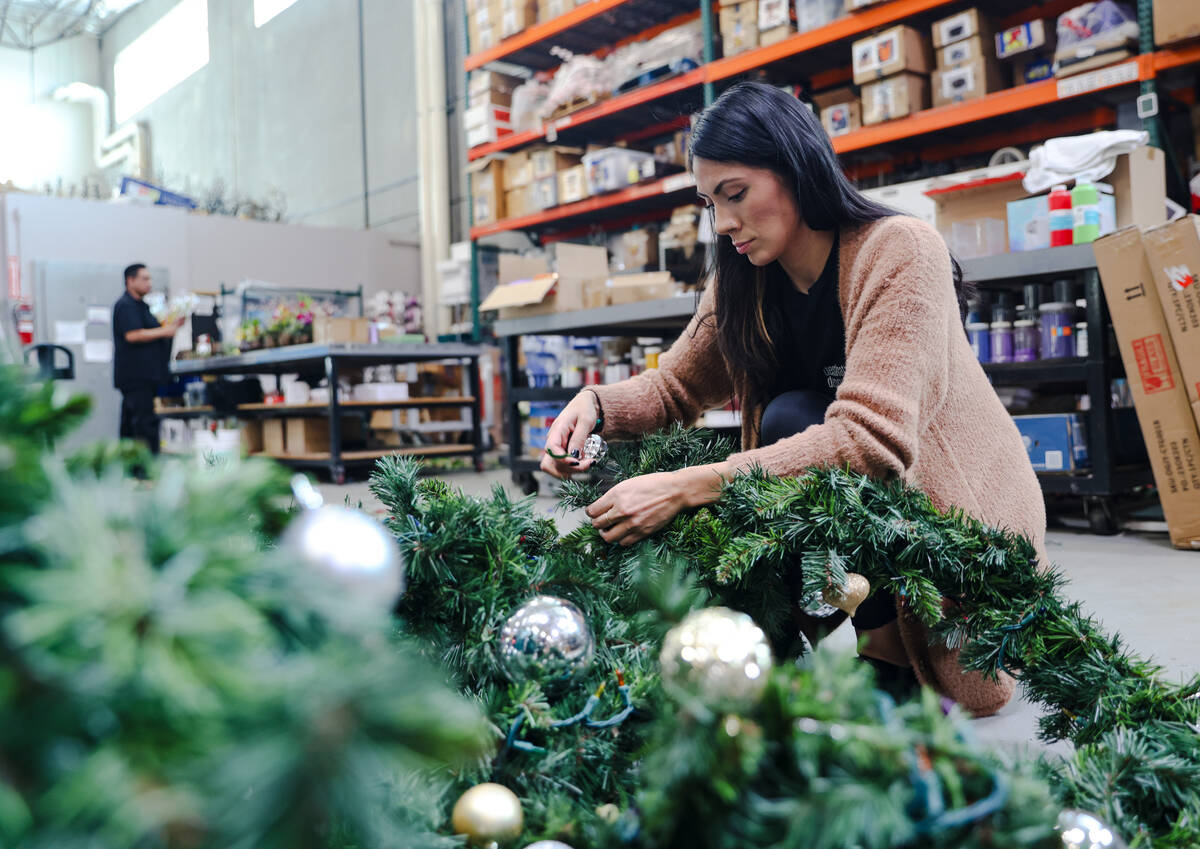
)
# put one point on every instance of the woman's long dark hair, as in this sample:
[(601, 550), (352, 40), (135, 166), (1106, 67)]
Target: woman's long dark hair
[(758, 125)]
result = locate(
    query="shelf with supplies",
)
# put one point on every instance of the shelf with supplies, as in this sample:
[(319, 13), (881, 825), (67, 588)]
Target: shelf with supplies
[(329, 361), (582, 28), (662, 195)]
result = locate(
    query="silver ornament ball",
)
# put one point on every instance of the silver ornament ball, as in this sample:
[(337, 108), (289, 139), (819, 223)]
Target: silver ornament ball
[(595, 449), (717, 656), (347, 546), (549, 844), (1081, 830), (546, 639)]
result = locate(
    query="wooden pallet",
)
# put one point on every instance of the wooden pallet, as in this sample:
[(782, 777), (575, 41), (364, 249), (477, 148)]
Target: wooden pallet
[(575, 105)]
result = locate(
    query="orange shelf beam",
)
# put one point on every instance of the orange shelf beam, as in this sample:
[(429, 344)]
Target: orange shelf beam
[(1004, 102), (676, 184), (541, 32), (1167, 58)]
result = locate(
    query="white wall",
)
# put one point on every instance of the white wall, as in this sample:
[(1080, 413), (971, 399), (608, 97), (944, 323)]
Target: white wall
[(279, 108), (201, 252), (45, 142)]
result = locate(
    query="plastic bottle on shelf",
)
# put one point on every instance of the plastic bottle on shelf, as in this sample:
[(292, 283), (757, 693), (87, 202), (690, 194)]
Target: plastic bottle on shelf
[(1085, 208), (1062, 222)]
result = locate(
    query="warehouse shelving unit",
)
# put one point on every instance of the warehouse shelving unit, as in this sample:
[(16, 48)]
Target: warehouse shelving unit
[(1106, 479), (1097, 486), (820, 58), (329, 361)]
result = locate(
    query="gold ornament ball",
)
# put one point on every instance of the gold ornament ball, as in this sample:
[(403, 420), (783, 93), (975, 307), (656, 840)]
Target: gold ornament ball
[(850, 596), (488, 814)]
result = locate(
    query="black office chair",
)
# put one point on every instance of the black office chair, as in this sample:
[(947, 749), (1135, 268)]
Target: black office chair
[(46, 355)]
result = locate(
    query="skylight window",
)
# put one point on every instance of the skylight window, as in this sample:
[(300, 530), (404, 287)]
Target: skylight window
[(166, 54), (264, 10)]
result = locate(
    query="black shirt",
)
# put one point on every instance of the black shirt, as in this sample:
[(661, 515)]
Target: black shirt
[(137, 363), (808, 331)]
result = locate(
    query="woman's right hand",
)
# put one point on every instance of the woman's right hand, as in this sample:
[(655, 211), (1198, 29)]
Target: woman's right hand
[(570, 430)]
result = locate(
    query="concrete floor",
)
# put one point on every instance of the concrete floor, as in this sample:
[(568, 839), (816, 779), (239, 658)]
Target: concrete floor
[(1136, 584)]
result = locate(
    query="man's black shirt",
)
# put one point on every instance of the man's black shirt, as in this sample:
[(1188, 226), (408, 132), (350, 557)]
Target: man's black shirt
[(137, 364)]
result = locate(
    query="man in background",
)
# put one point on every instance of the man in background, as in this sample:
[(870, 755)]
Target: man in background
[(141, 351)]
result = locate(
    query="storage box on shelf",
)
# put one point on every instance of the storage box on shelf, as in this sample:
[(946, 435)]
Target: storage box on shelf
[(813, 14), (1093, 35), (840, 110), (961, 26), (739, 27), (896, 50), (487, 189), (1176, 20), (894, 97), (1155, 380), (774, 21), (530, 287)]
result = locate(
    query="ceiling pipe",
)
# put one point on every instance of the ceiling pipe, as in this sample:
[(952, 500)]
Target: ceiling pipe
[(129, 144)]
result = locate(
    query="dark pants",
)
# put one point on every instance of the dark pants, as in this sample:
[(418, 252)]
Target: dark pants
[(138, 419), (786, 415)]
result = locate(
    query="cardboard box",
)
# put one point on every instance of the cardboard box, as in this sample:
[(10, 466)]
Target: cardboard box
[(489, 98), (1037, 35), (1055, 442), (482, 82), (967, 50), (518, 170), (595, 294), (1155, 381), (646, 286), (813, 14), (968, 81), (634, 250), (1175, 20), (834, 96), (773, 13), (519, 202), (1033, 70), (739, 27), (1174, 253), (307, 436), (328, 330), (961, 26), (517, 17), (548, 160), (486, 115), (543, 193), (252, 436), (891, 52), (965, 198), (842, 118), (528, 286), (548, 10), (572, 184), (894, 97), (775, 34), (274, 440), (487, 190)]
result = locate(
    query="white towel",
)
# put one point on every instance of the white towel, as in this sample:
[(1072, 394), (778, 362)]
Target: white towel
[(1092, 157)]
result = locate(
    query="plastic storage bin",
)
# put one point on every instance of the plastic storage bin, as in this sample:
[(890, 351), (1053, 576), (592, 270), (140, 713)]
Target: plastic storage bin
[(614, 168)]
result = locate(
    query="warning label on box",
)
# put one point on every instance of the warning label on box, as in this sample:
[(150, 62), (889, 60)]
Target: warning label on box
[(1152, 364)]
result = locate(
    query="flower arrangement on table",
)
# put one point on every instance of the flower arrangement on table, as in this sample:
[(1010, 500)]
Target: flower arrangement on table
[(290, 323)]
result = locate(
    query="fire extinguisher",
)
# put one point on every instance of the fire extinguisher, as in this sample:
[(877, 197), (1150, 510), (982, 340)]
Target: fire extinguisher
[(23, 318)]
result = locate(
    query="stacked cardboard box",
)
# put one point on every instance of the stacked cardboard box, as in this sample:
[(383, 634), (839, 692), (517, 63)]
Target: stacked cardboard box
[(739, 26), (893, 69), (1175, 20), (487, 189), (1163, 371), (1029, 47), (774, 21), (483, 24), (840, 110), (487, 116), (967, 67), (547, 162)]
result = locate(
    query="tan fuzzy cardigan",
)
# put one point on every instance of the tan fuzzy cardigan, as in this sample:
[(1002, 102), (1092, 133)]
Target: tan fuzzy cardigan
[(914, 403)]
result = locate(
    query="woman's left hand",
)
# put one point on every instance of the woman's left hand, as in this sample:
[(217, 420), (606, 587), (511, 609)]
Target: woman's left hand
[(634, 509)]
